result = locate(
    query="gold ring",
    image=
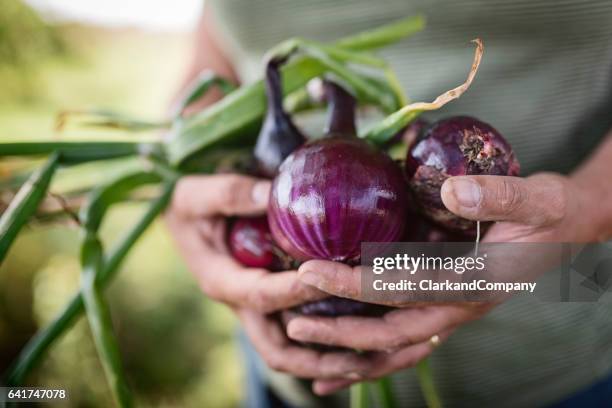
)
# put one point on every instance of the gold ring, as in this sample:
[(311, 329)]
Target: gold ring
[(435, 340)]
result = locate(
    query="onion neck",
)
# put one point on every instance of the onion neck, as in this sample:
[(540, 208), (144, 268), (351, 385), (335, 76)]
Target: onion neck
[(341, 107), (279, 136), (274, 89)]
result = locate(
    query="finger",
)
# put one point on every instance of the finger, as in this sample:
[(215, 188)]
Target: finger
[(282, 355), (383, 364), (225, 280), (326, 387), (332, 277), (396, 329), (221, 194), (537, 200)]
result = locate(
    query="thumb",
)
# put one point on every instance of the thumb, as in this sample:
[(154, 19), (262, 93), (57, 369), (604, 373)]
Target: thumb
[(536, 200)]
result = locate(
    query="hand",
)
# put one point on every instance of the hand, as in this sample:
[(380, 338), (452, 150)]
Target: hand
[(397, 340), (545, 207), (536, 209), (196, 219)]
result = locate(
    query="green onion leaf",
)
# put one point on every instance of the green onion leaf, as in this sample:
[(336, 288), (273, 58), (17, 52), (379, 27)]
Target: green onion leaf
[(25, 203)]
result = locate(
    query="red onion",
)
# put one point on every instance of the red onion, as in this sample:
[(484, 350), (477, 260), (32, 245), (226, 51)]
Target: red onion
[(336, 306), (251, 243), (333, 194), (456, 146)]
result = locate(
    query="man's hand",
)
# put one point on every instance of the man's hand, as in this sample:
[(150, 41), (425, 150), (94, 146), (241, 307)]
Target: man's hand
[(541, 208), (196, 219), (545, 207)]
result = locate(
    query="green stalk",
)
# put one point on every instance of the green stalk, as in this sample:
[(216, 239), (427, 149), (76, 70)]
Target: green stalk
[(427, 385), (32, 353), (392, 124), (200, 87), (98, 118), (25, 203), (96, 308), (333, 60), (98, 315), (383, 36), (236, 116), (359, 395), (78, 152), (239, 114), (384, 389)]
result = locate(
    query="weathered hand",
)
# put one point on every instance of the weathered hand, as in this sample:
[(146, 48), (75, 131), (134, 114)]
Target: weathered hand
[(398, 340), (545, 207), (542, 208), (197, 220)]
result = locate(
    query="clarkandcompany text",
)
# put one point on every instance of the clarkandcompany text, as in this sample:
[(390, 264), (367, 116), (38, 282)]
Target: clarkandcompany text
[(431, 285)]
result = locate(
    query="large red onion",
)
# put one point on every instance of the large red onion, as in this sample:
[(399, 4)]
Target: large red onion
[(456, 146), (333, 194)]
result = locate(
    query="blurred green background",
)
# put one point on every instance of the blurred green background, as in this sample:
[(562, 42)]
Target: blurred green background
[(177, 346)]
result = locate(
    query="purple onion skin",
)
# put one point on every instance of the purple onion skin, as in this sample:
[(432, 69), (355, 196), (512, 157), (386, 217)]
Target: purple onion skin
[(455, 146), (332, 307), (333, 194), (250, 243), (336, 306), (278, 136)]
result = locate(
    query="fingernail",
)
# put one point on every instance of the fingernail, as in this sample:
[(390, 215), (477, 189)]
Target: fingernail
[(466, 191), (353, 376), (319, 389), (295, 331), (260, 192)]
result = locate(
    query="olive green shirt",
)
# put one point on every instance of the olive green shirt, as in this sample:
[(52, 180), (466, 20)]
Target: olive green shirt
[(546, 84)]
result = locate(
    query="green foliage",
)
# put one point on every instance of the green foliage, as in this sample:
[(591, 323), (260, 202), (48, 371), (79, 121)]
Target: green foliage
[(25, 41), (24, 204), (217, 126)]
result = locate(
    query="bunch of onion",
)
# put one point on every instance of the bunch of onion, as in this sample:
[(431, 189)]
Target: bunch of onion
[(333, 192), (307, 218)]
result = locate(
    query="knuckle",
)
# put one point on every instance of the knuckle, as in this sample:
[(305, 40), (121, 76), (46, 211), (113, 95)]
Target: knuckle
[(555, 198), (398, 340), (557, 205), (299, 291), (179, 198), (230, 193), (275, 362), (260, 301), (509, 196)]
